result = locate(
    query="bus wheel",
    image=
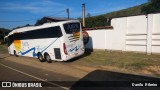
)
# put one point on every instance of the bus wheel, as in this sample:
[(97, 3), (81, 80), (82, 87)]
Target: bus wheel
[(40, 57), (15, 54), (47, 58)]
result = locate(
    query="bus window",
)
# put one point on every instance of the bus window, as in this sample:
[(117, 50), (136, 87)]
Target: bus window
[(51, 32), (71, 27)]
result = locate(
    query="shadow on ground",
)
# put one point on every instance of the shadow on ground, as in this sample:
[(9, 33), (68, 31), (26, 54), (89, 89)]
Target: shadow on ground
[(107, 80)]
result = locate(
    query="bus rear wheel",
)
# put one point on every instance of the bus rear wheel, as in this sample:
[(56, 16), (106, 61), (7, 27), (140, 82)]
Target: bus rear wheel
[(47, 58), (15, 54), (40, 57)]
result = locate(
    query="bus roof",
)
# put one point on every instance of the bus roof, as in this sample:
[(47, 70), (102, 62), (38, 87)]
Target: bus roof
[(28, 28)]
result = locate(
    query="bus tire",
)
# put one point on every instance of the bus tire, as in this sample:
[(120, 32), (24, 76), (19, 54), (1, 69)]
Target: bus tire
[(15, 54), (47, 58), (40, 57)]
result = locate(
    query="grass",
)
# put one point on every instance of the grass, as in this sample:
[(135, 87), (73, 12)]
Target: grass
[(126, 60)]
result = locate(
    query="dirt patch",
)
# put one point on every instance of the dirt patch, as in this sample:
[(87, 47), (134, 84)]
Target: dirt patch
[(85, 68), (57, 67), (154, 69)]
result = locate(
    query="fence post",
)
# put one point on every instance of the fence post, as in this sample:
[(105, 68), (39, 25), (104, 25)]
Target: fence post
[(149, 33), (105, 33), (124, 49)]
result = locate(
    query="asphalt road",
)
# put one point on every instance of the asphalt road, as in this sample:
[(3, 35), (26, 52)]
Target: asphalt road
[(14, 72)]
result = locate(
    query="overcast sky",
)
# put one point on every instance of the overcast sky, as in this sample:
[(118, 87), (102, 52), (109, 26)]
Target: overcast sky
[(15, 13)]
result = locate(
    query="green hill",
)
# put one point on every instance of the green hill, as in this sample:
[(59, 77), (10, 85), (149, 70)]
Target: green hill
[(153, 6), (101, 20), (136, 10), (4, 30)]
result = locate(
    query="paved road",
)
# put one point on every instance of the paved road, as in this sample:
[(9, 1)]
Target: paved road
[(10, 71)]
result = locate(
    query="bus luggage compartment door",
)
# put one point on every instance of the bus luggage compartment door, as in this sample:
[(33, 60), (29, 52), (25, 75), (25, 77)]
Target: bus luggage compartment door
[(57, 53)]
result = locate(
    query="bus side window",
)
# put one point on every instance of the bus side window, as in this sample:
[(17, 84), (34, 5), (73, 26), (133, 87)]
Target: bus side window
[(57, 31), (51, 32)]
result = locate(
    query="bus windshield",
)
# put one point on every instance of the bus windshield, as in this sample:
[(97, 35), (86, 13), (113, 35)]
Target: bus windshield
[(71, 27)]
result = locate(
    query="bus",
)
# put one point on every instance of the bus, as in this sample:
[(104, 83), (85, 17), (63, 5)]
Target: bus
[(60, 41)]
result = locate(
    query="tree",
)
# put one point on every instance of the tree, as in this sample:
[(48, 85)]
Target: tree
[(3, 32), (27, 25), (152, 7), (88, 15), (153, 1), (80, 19), (37, 22), (96, 21)]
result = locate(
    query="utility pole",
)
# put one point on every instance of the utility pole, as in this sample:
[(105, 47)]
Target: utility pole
[(83, 14), (68, 13)]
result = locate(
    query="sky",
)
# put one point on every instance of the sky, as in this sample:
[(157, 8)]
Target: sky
[(15, 13)]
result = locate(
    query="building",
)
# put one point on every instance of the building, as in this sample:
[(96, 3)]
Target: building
[(49, 19)]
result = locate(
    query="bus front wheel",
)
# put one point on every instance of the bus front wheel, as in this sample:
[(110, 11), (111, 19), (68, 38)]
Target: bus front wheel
[(40, 57), (47, 58)]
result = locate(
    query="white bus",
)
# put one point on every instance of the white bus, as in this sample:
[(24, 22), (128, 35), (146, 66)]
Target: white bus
[(60, 41)]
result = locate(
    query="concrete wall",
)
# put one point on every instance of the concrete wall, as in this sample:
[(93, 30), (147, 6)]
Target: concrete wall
[(135, 33), (97, 39), (155, 33)]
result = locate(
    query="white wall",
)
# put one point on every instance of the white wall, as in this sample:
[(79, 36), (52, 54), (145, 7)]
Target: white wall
[(156, 33), (136, 33), (97, 39), (118, 34)]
